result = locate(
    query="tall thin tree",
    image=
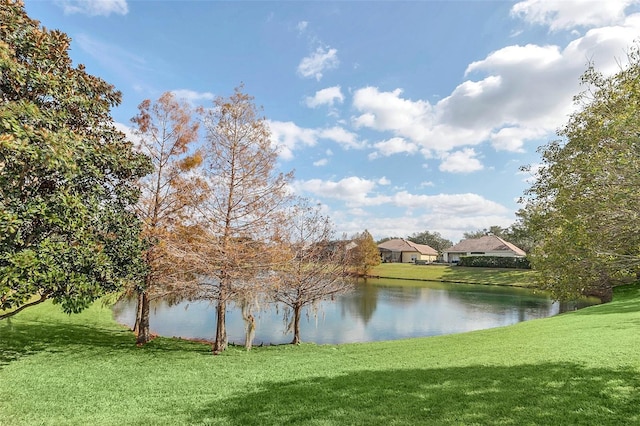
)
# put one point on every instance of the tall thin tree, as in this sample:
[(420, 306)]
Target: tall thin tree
[(167, 132), (242, 212)]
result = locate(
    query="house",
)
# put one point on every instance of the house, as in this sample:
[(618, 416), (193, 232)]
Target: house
[(489, 245), (401, 250)]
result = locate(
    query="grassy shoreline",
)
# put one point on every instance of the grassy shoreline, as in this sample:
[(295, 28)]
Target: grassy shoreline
[(455, 274), (576, 368)]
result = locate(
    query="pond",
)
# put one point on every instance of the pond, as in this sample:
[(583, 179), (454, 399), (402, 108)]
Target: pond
[(377, 310)]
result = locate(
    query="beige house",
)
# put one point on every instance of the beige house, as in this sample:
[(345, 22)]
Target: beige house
[(401, 250), (489, 245)]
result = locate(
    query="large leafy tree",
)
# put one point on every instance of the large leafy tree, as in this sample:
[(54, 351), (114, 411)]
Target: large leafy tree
[(167, 131), (496, 230), (242, 213), (431, 239), (67, 176), (519, 232), (584, 206)]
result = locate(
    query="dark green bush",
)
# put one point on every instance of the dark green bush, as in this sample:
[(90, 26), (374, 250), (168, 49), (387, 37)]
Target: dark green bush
[(495, 262)]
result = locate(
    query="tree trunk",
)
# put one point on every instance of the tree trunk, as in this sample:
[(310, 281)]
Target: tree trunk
[(221, 330), (249, 324), (143, 326), (296, 325), (251, 330), (43, 297), (136, 325)]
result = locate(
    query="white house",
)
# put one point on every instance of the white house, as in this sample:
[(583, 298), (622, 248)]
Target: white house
[(489, 245)]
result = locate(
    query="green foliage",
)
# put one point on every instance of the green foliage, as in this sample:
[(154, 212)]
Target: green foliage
[(495, 230), (519, 233), (67, 176), (431, 239), (495, 262), (583, 208)]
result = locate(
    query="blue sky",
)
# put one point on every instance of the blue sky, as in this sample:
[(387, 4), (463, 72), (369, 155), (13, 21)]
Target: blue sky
[(398, 117)]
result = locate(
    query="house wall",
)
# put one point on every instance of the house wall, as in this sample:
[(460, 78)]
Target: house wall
[(450, 257), (429, 257), (412, 256), (406, 256)]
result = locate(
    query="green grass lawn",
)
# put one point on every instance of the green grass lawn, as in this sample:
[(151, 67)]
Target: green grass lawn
[(577, 368), (456, 274)]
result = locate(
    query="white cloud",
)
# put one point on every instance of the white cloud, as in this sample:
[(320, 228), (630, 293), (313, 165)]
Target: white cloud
[(418, 121), (449, 204), (352, 189), (321, 162), (192, 96), (449, 226), (563, 15), (288, 137), (512, 138), (393, 146), (531, 86), (384, 181), (325, 97), (319, 61), (514, 95), (360, 193), (449, 214), (94, 7), (388, 111), (463, 161), (345, 138)]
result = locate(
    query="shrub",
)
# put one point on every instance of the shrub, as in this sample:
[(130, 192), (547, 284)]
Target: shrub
[(495, 262)]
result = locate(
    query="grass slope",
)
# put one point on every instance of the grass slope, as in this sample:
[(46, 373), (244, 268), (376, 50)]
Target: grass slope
[(455, 274), (577, 368)]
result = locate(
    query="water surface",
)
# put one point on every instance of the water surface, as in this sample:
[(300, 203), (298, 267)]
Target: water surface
[(376, 310)]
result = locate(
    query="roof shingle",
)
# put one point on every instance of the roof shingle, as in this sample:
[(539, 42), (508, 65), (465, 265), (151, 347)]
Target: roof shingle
[(400, 244)]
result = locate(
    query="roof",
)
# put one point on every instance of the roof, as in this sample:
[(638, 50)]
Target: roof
[(485, 244), (403, 245)]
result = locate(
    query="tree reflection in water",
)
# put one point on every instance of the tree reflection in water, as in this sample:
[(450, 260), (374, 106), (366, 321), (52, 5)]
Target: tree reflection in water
[(377, 310)]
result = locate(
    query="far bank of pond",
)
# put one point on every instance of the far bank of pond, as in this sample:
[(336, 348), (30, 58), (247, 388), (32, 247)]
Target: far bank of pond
[(456, 274), (378, 309)]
